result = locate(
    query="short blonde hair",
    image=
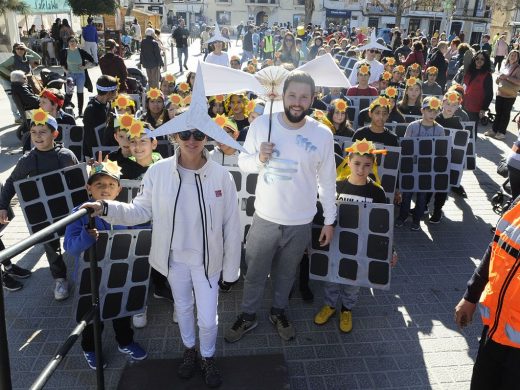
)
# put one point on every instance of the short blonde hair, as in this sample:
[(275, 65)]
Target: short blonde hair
[(442, 45)]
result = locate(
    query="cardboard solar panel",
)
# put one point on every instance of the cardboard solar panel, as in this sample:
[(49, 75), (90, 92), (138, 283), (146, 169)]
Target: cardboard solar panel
[(471, 153), (129, 190), (49, 197), (425, 164), (343, 142), (358, 103), (164, 147), (123, 274), (346, 64), (104, 150), (398, 129), (72, 138), (387, 167), (411, 118), (459, 146), (361, 248), (99, 132), (246, 187)]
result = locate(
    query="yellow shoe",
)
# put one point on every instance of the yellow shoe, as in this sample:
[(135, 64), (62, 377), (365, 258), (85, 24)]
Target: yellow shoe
[(345, 321), (324, 315)]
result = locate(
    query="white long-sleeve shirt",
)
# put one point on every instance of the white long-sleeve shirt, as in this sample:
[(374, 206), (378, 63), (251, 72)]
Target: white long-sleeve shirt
[(302, 167)]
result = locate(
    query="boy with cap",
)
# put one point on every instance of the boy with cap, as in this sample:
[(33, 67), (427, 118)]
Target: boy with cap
[(103, 184), (45, 156)]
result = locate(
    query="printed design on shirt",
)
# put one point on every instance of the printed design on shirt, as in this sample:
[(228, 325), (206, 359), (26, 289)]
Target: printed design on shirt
[(305, 143), (278, 169), (354, 198), (218, 193)]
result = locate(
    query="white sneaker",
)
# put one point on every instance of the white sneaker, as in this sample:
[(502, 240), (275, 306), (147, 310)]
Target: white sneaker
[(61, 289), (175, 320), (500, 136), (140, 320), (490, 133)]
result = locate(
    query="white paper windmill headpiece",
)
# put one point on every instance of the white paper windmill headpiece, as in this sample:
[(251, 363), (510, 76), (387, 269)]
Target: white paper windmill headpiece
[(217, 36), (372, 44)]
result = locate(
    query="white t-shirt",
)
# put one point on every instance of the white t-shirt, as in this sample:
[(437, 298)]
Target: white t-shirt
[(376, 70), (221, 59), (224, 159), (301, 167)]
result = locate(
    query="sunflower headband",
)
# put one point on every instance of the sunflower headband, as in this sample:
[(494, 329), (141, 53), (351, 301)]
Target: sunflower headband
[(432, 103), (364, 69), (322, 118), (363, 146), (41, 117), (390, 61), (415, 66), (380, 101), (226, 122), (175, 99), (452, 97), (340, 105), (136, 129), (391, 92), (412, 81), (432, 70), (184, 87), (155, 93), (217, 98), (399, 69), (109, 168), (169, 78), (122, 102), (386, 76)]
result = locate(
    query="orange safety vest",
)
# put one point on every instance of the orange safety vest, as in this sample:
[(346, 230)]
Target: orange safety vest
[(500, 301)]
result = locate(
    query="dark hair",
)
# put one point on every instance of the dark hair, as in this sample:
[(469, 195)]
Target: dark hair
[(71, 38), (105, 81), (65, 22), (463, 48), (298, 76), (344, 129), (472, 68), (406, 41), (418, 46), (456, 41)]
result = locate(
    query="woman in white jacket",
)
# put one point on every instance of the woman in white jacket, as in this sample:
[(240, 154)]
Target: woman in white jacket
[(193, 204)]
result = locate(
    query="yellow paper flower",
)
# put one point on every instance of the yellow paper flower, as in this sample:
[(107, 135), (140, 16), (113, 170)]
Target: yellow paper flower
[(154, 93), (364, 69), (415, 66), (112, 167), (136, 129), (125, 121), (364, 146), (411, 82), (341, 105), (318, 114), (452, 97), (387, 76), (399, 69), (432, 70), (187, 100), (169, 78), (220, 120), (39, 116), (391, 92), (224, 121), (250, 106), (379, 101), (434, 104), (219, 98), (184, 87), (175, 99), (123, 101), (390, 61), (251, 68)]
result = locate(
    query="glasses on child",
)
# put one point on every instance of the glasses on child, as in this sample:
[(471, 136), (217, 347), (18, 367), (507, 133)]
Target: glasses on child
[(197, 135)]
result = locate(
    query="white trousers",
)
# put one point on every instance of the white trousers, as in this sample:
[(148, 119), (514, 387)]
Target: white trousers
[(188, 279), (91, 48)]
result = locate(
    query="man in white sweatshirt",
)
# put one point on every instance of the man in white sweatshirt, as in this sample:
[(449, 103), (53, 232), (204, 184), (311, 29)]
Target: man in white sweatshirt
[(294, 167)]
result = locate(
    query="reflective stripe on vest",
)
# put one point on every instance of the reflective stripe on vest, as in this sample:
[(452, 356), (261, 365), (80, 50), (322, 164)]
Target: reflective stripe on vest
[(499, 302)]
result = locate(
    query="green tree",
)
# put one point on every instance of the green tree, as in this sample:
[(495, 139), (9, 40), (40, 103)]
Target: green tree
[(93, 7), (14, 5)]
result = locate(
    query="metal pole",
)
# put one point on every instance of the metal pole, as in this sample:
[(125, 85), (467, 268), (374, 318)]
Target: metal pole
[(94, 289), (5, 369), (62, 352)]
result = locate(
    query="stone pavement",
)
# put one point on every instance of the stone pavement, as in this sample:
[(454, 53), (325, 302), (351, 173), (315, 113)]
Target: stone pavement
[(404, 338)]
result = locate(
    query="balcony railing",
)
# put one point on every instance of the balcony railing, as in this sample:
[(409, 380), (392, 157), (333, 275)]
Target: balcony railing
[(264, 2), (377, 9)]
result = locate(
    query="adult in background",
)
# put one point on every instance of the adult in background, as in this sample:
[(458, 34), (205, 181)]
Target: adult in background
[(376, 67), (281, 228), (65, 33), (151, 58), (439, 61), (247, 45), (501, 50), (288, 52), (416, 56), (508, 86), (135, 31), (22, 59), (55, 34), (494, 285), (180, 35), (112, 64), (74, 60), (90, 39), (479, 88)]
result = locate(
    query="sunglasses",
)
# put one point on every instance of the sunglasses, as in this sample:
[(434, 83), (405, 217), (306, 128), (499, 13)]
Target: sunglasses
[(197, 135), (373, 51)]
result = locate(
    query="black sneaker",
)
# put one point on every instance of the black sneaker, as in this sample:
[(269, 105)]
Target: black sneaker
[(210, 372), (10, 284), (436, 217), (415, 226), (163, 292), (459, 191), (283, 326), (17, 272), (239, 328), (189, 362)]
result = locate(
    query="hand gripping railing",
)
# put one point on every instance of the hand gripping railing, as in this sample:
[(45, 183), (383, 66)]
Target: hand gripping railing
[(93, 314)]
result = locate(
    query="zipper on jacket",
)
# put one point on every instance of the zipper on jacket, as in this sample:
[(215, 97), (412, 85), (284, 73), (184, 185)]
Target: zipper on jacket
[(204, 218), (173, 223), (210, 217), (501, 295)]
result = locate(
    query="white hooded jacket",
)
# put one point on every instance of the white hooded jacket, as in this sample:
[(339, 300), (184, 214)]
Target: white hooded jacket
[(218, 204)]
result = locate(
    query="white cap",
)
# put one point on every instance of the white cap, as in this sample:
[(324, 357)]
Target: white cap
[(149, 31)]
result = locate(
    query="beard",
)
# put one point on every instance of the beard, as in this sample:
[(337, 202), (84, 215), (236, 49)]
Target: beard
[(294, 118)]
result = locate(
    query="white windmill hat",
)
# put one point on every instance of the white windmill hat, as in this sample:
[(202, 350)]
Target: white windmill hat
[(218, 37), (372, 44)]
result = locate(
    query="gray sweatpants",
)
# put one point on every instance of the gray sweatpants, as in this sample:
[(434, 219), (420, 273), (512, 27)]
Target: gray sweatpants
[(272, 249), (346, 294)]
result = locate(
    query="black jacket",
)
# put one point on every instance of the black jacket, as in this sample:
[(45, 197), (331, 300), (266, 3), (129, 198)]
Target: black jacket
[(437, 59), (25, 95), (95, 115), (247, 45), (84, 58), (150, 54)]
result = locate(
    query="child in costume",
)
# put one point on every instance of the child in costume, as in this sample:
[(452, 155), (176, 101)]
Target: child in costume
[(45, 156), (425, 127), (103, 184), (430, 86), (358, 187), (411, 102), (376, 131)]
